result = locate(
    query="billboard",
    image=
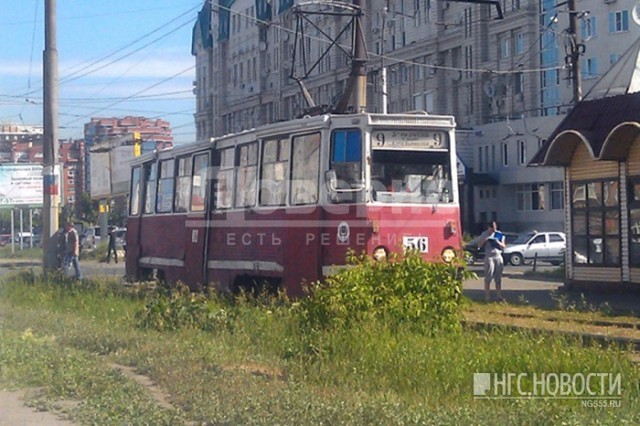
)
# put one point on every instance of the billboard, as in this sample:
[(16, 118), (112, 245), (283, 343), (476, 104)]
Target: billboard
[(110, 169), (20, 185)]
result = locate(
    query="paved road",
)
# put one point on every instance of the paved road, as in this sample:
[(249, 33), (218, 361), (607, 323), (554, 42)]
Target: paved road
[(90, 268), (548, 293)]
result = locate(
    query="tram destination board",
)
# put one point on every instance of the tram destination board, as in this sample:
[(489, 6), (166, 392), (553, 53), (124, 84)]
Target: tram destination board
[(410, 138)]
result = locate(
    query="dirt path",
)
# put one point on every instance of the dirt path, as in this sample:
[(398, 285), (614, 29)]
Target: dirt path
[(14, 412)]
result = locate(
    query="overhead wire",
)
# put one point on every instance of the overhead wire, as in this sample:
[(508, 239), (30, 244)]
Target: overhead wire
[(135, 94), (386, 57)]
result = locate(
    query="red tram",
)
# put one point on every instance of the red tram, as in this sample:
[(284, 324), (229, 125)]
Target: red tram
[(283, 203)]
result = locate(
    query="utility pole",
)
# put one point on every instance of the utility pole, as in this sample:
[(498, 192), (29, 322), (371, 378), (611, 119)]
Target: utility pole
[(50, 171), (359, 59), (576, 50), (383, 69)]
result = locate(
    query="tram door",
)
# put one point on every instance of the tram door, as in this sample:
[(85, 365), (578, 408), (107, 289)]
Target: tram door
[(194, 176), (344, 218), (302, 251)]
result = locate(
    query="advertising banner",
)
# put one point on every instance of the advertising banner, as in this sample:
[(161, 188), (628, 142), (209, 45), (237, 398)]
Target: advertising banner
[(20, 185)]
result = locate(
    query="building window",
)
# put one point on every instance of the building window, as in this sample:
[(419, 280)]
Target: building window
[(618, 21), (613, 58), (519, 43), (634, 221), (505, 154), (588, 27), (595, 218), (467, 22), (530, 197), (518, 83), (486, 158), (505, 47), (522, 152), (493, 157), (557, 196), (284, 6), (480, 159), (468, 61), (589, 68)]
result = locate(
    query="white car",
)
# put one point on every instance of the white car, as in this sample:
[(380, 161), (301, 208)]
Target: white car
[(90, 238), (545, 246)]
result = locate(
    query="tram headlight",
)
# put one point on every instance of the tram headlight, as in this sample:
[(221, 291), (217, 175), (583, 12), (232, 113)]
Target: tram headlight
[(448, 254), (380, 254)]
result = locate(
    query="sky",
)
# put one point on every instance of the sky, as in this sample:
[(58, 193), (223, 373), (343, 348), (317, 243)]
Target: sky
[(116, 58)]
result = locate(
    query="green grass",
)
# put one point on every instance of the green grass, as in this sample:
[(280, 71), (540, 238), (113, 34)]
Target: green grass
[(258, 366), (99, 253), (26, 253)]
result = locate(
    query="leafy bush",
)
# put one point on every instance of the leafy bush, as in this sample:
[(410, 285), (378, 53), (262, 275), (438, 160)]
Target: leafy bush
[(407, 290), (177, 307)]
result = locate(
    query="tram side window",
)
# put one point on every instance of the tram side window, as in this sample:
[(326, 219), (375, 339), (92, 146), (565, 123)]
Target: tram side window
[(134, 200), (150, 176), (224, 179), (164, 201), (247, 175), (183, 185), (199, 182), (346, 161), (305, 168), (275, 165)]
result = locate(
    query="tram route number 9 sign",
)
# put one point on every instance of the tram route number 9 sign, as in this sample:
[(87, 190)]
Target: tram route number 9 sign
[(418, 138), (20, 184)]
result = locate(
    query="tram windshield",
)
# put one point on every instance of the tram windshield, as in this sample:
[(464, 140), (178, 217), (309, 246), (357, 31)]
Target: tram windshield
[(417, 177)]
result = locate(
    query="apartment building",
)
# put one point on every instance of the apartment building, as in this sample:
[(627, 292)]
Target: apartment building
[(153, 132), (72, 154), (505, 80), (20, 144)]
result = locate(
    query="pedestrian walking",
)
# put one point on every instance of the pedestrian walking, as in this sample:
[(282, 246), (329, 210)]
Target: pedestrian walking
[(72, 250)]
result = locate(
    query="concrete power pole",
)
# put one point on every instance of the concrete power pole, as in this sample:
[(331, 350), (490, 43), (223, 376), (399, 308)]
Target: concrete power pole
[(50, 144), (576, 50)]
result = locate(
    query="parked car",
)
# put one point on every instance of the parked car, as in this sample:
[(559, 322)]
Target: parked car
[(5, 239), (90, 238), (473, 254), (546, 246)]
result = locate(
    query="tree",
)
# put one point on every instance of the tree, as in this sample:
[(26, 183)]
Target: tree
[(87, 209)]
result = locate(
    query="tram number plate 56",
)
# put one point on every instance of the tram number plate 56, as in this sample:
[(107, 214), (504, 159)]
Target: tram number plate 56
[(416, 243)]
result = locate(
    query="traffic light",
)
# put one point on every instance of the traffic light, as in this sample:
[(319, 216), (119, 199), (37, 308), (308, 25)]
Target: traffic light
[(137, 144)]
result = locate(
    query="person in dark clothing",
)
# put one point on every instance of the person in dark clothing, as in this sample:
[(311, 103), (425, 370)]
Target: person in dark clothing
[(112, 245)]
